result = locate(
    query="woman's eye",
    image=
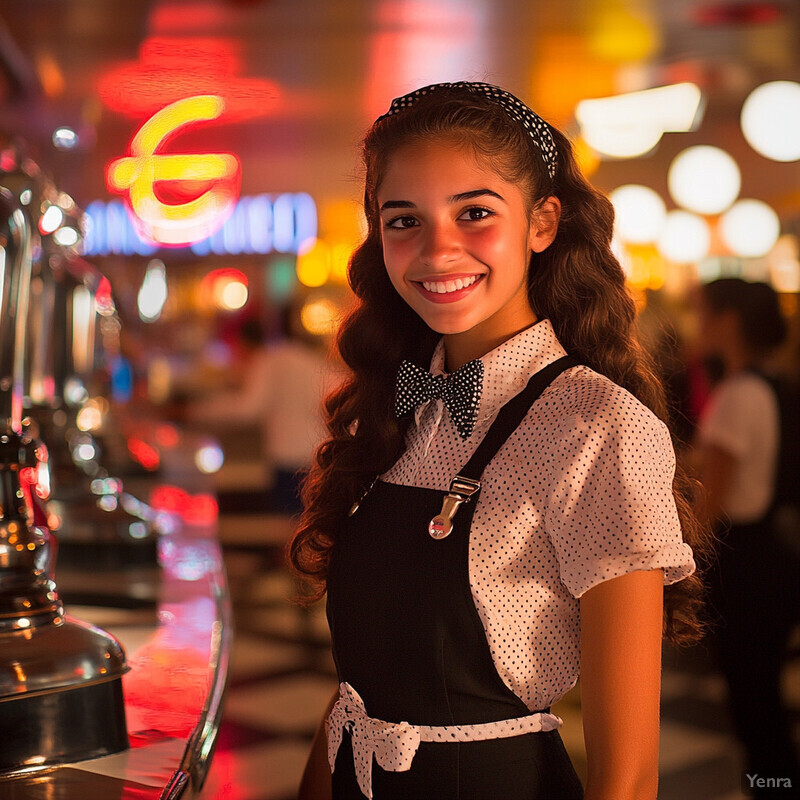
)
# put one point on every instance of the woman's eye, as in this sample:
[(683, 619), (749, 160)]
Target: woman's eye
[(476, 214), (401, 222)]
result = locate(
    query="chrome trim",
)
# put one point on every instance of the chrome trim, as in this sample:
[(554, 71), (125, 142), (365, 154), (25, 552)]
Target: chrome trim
[(197, 754)]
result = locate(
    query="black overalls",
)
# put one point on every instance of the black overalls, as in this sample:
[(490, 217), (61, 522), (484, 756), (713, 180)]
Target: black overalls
[(407, 637)]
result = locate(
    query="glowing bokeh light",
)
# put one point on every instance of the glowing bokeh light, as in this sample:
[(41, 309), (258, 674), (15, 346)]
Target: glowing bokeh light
[(320, 317), (749, 228), (65, 138), (89, 418), (230, 295), (84, 452), (153, 291), (74, 390), (770, 120), (785, 276), (685, 237), (225, 289), (139, 174), (640, 213), (171, 499), (198, 509), (144, 453), (50, 74), (314, 263), (167, 435), (66, 236), (209, 459), (281, 279), (783, 262), (704, 179), (84, 316), (108, 502), (340, 260), (630, 125), (52, 217), (103, 298)]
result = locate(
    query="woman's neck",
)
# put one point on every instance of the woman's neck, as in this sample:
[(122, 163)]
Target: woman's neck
[(459, 348)]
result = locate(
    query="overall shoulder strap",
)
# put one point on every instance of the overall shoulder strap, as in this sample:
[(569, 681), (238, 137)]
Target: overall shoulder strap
[(510, 416)]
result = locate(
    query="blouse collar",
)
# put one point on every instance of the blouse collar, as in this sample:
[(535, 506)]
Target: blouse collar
[(509, 367)]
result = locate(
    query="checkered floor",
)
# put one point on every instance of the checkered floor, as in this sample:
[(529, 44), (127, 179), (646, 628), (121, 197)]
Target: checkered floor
[(282, 678)]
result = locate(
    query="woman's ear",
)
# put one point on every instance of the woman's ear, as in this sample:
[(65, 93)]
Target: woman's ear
[(544, 224)]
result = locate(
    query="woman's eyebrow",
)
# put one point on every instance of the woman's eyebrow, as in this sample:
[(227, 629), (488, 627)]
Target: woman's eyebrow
[(397, 204), (456, 198)]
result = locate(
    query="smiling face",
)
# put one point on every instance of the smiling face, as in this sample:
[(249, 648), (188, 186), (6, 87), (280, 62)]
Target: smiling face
[(457, 240)]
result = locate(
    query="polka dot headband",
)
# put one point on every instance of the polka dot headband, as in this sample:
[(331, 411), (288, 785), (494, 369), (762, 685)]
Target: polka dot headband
[(533, 124)]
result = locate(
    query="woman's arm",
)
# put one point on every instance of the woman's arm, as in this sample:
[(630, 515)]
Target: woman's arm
[(621, 630), (316, 781)]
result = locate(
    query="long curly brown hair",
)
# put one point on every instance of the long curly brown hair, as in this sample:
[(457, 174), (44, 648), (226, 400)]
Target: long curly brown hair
[(576, 283)]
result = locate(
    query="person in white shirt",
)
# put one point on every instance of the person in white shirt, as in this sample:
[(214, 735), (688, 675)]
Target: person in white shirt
[(494, 509), (283, 386), (754, 586)]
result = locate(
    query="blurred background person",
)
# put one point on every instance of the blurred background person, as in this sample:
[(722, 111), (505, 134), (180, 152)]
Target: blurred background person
[(281, 386), (754, 589)]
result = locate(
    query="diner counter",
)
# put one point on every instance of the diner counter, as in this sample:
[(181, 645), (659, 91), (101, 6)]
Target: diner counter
[(174, 621)]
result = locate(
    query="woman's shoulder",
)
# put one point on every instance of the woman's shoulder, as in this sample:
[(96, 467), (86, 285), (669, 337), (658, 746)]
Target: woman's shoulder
[(596, 424), (586, 395), (585, 409)]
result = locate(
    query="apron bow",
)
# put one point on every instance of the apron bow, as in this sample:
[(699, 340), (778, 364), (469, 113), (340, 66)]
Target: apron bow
[(394, 744)]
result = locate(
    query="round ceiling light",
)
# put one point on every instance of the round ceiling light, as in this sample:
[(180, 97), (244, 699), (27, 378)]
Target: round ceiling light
[(770, 120), (704, 179), (685, 238), (639, 213), (749, 228)]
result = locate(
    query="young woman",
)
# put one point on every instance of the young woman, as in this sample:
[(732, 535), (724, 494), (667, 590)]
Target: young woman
[(523, 522), (755, 584)]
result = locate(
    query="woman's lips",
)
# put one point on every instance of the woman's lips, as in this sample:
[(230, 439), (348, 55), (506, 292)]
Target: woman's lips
[(448, 290)]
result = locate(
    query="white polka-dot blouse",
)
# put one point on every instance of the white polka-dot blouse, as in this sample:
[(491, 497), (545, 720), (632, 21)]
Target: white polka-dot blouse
[(580, 493)]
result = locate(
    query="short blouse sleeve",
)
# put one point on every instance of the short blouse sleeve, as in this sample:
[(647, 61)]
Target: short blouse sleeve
[(611, 510)]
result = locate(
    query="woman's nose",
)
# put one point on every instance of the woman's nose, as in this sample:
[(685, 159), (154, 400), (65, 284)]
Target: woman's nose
[(440, 245)]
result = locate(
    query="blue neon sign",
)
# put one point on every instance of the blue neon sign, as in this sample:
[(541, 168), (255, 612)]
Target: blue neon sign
[(263, 224)]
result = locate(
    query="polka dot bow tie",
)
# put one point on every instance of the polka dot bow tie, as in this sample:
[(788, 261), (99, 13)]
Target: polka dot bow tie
[(460, 392)]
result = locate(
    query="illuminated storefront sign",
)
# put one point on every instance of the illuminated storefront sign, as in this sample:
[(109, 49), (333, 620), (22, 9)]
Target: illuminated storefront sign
[(169, 68), (214, 175), (263, 223)]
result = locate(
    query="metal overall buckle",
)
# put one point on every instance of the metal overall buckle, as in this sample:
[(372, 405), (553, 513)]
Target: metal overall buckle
[(461, 490)]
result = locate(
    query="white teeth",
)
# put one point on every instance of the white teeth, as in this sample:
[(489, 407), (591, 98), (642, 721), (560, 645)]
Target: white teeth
[(443, 287)]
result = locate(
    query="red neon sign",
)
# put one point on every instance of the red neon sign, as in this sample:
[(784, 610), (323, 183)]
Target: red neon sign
[(195, 215), (171, 68)]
